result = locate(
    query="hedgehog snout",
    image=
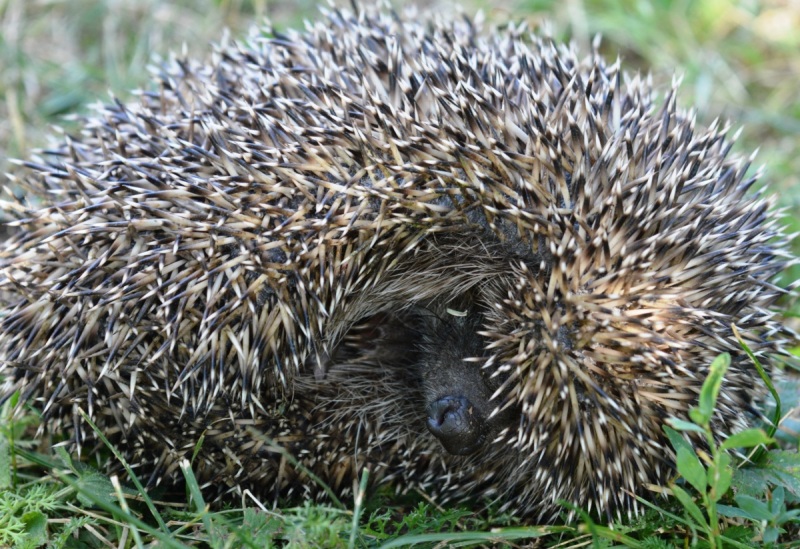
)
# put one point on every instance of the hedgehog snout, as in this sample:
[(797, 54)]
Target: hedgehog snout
[(457, 424)]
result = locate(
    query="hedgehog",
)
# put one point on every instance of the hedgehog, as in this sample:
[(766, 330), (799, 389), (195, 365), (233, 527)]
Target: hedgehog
[(475, 264)]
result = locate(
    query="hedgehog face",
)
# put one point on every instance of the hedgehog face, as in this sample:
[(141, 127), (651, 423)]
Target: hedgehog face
[(435, 353), (458, 392)]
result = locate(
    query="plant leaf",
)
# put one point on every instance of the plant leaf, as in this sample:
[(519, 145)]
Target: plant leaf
[(691, 507), (733, 512), (719, 476), (755, 507), (676, 439), (710, 390), (691, 469), (748, 438), (682, 425)]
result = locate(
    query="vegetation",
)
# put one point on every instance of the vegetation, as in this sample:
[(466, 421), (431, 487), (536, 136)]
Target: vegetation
[(50, 499), (739, 61)]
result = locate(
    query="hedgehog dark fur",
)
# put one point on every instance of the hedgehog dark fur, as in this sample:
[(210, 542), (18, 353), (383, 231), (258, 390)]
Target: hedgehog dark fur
[(476, 265)]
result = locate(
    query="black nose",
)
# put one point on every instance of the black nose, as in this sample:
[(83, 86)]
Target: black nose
[(457, 425)]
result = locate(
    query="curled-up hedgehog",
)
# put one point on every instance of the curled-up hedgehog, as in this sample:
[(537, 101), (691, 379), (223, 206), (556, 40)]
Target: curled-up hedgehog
[(476, 265)]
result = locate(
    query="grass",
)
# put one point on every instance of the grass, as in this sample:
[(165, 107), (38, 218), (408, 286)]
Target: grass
[(739, 61), (48, 498)]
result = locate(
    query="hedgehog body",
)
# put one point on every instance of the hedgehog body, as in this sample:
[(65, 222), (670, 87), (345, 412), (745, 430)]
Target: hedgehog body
[(477, 266)]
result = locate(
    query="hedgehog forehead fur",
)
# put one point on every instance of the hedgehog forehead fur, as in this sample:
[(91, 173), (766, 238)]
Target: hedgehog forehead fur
[(272, 246)]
